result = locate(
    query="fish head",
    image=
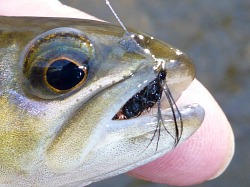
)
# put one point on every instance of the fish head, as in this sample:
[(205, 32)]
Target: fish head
[(62, 88)]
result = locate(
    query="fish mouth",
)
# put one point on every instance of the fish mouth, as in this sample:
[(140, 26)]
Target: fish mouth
[(148, 100), (143, 100)]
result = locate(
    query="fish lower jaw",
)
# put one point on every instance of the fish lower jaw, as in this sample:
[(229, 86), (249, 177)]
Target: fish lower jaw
[(149, 122)]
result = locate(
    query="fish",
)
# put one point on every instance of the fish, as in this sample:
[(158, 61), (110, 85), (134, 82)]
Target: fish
[(83, 100)]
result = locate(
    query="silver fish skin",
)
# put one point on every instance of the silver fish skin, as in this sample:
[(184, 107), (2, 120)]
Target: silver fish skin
[(53, 134)]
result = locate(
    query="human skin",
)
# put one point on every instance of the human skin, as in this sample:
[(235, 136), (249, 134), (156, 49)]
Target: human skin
[(205, 155)]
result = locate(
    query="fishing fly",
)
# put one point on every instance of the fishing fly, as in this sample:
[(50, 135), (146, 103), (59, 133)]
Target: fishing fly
[(151, 95)]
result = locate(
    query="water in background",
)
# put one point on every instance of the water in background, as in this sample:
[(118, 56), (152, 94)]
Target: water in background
[(216, 35)]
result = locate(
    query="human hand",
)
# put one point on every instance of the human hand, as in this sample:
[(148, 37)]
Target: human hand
[(203, 156)]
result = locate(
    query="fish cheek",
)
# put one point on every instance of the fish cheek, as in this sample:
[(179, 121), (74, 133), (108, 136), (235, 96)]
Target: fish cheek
[(76, 139), (20, 137)]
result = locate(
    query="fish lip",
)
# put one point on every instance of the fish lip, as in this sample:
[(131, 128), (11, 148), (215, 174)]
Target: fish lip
[(147, 122)]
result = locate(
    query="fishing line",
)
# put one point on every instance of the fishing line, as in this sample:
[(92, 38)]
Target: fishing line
[(174, 109), (116, 16)]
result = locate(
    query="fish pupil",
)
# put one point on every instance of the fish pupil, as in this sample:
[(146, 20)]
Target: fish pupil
[(143, 100), (63, 74)]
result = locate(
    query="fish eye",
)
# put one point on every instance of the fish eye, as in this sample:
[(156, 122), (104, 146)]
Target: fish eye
[(57, 63)]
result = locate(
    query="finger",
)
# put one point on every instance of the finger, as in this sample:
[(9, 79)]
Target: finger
[(204, 155), (43, 8)]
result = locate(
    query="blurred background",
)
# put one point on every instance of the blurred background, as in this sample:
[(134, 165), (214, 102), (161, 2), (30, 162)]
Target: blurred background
[(216, 35)]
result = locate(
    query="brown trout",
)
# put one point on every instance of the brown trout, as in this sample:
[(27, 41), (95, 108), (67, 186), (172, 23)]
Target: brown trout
[(83, 100)]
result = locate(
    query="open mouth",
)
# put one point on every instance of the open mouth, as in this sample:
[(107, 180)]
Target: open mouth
[(143, 100), (151, 97)]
